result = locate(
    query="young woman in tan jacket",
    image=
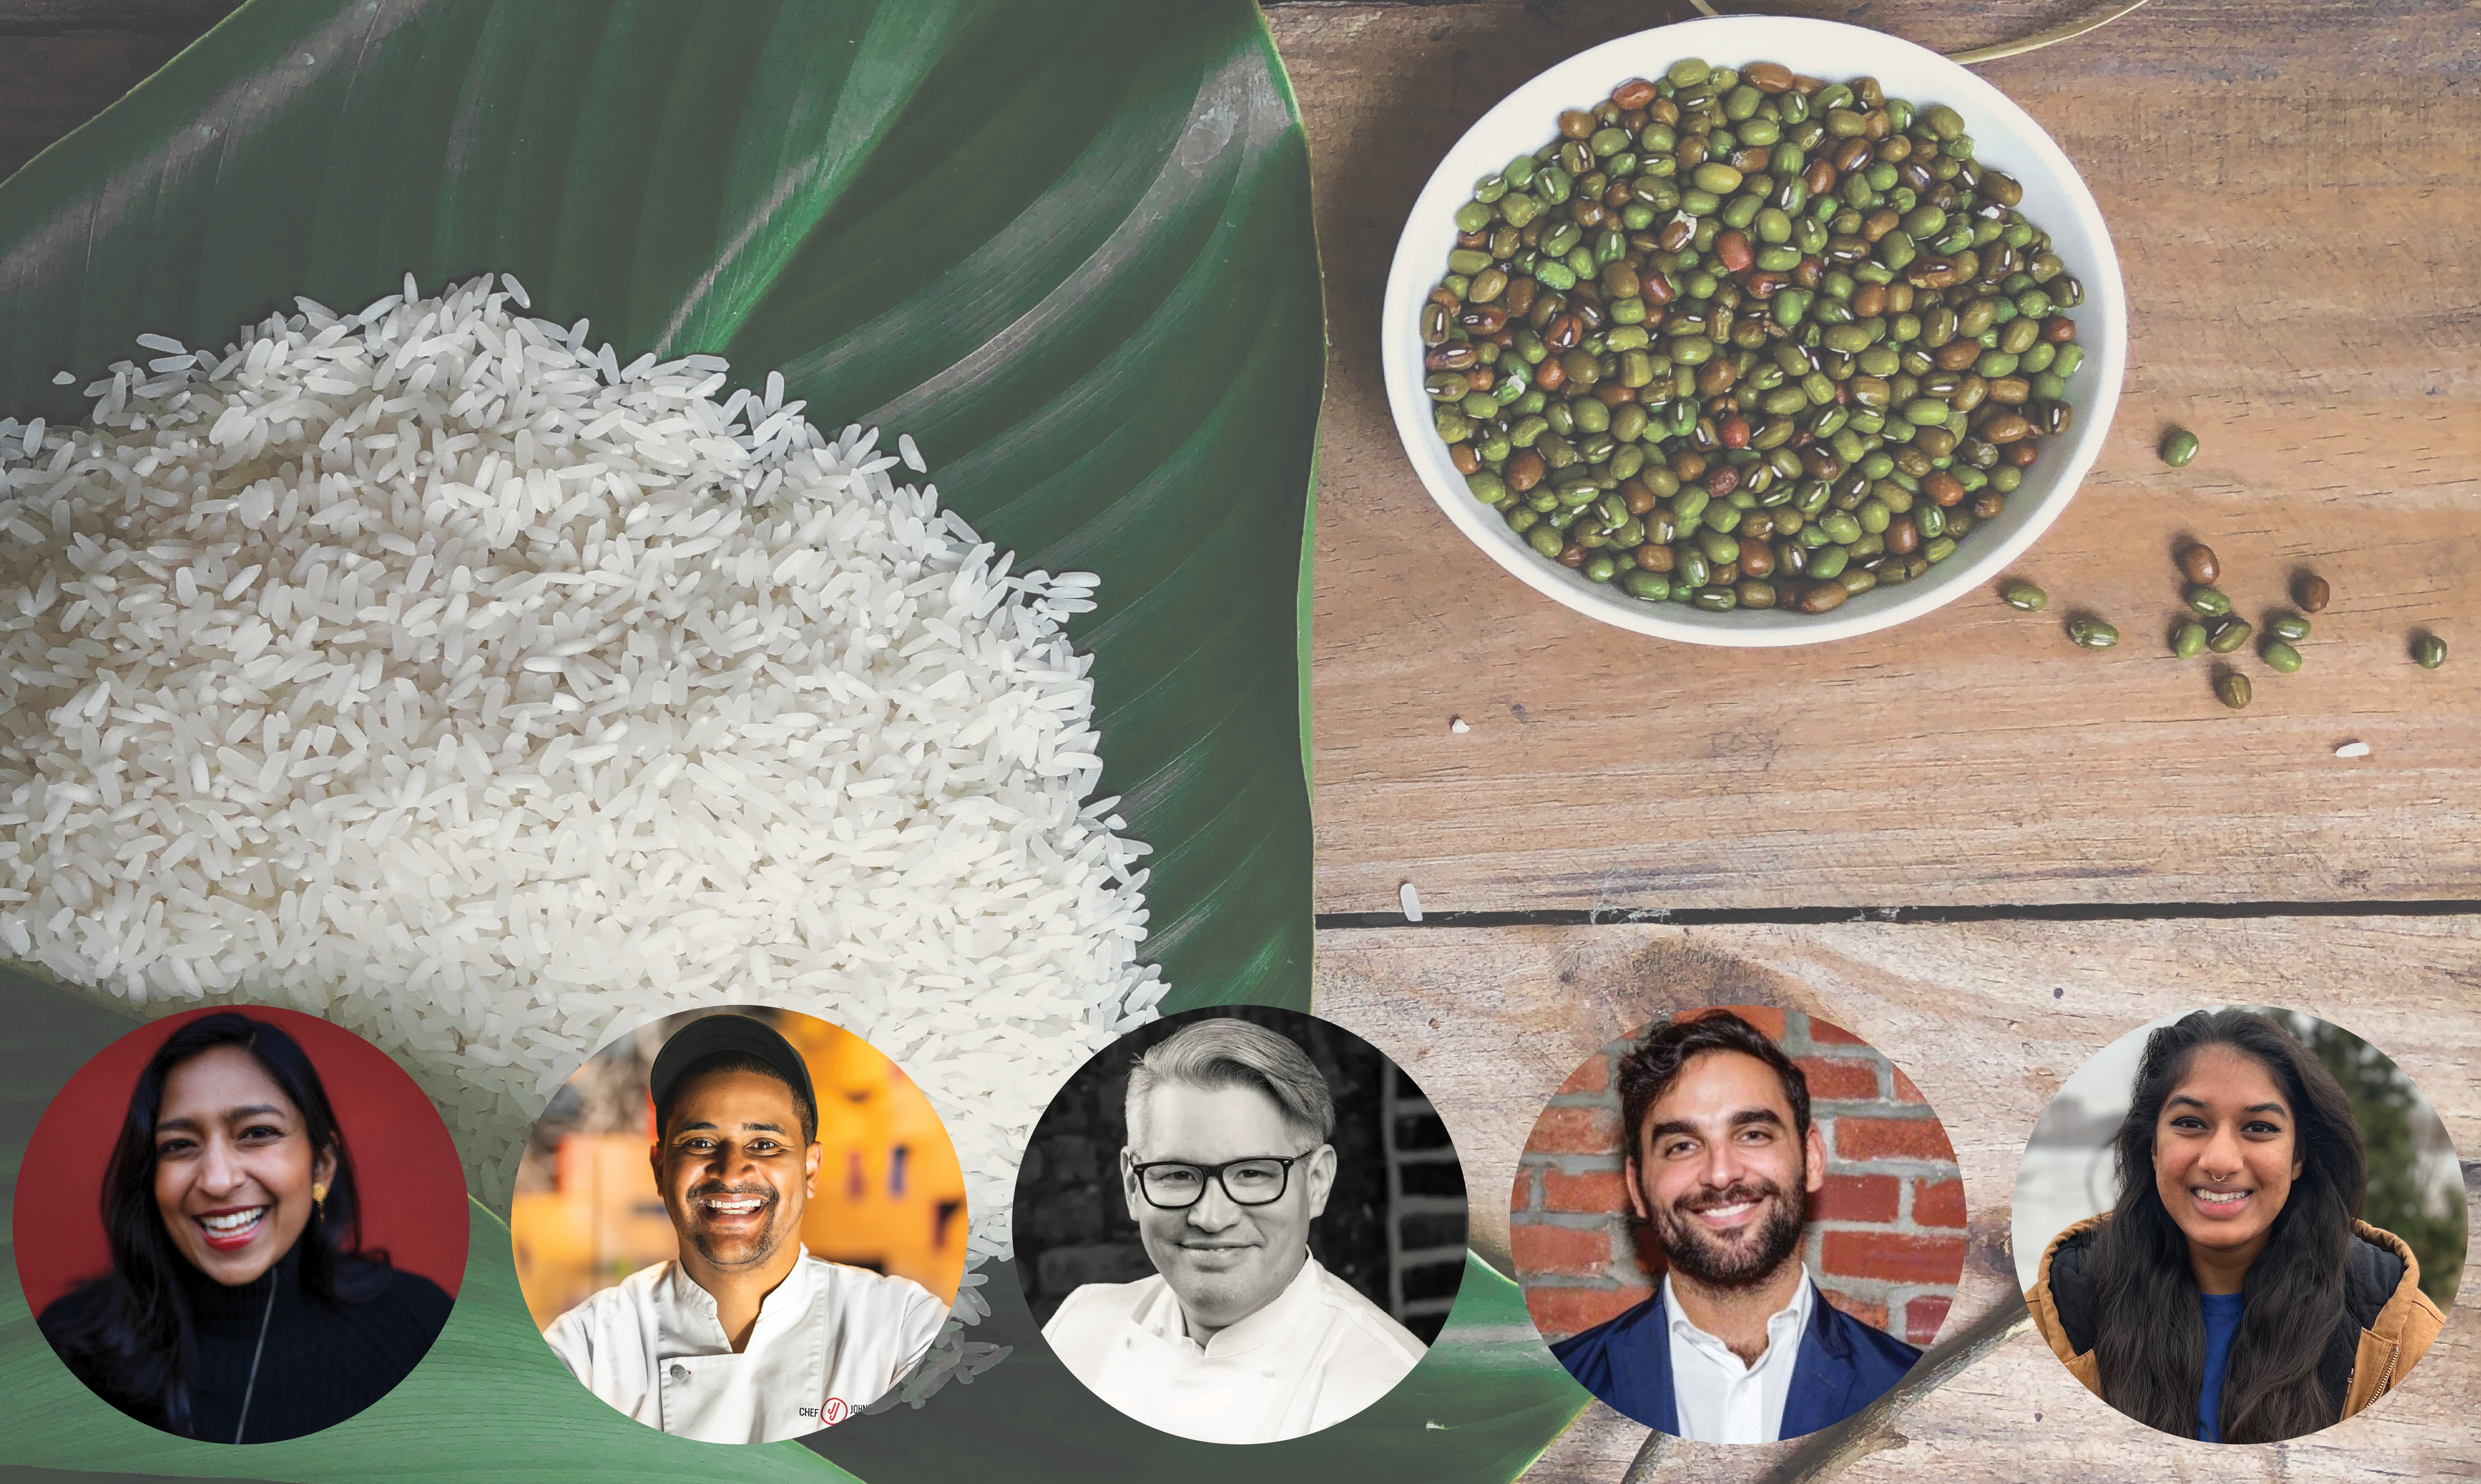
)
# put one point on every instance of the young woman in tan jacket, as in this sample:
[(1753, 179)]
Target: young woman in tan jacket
[(2232, 1295)]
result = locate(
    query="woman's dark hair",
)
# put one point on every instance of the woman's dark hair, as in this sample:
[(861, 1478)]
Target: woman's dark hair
[(134, 1341), (1654, 1065), (2150, 1328)]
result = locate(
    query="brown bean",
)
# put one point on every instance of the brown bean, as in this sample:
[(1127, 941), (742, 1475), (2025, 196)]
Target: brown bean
[(1576, 123), (2006, 428), (1722, 480), (1565, 332), (1484, 319), (1874, 226), (1944, 489), (1820, 178), (1655, 557), (1634, 93), (1732, 249), (1688, 465), (1715, 377), (2010, 390), (2058, 329), (1869, 301), (1483, 378), (1808, 273), (1675, 234), (1955, 355), (1757, 558), (1573, 556), (1550, 376), (1664, 110), (1620, 279), (1903, 537), (1455, 355), (1767, 76), (2313, 594), (1519, 297), (1639, 498), (2198, 563), (1614, 394), (1821, 597), (1854, 155), (2022, 455), (1464, 457), (1724, 576)]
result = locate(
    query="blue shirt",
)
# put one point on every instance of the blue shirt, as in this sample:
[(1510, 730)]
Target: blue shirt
[(2222, 1322)]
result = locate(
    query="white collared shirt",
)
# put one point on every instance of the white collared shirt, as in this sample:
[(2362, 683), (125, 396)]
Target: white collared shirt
[(1316, 1354), (829, 1339), (1718, 1399)]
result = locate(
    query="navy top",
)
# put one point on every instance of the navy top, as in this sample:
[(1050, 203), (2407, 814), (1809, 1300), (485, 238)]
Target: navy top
[(1841, 1366), (2222, 1322)]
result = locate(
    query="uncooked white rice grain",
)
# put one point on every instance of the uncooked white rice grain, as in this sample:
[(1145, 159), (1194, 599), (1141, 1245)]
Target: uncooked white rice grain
[(422, 669)]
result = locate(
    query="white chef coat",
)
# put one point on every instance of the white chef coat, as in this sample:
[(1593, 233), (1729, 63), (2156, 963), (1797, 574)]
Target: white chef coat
[(829, 1341), (1315, 1355), (1717, 1398)]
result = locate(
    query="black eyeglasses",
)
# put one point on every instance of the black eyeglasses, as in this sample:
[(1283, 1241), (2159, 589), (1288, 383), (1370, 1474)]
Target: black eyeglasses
[(1169, 1184)]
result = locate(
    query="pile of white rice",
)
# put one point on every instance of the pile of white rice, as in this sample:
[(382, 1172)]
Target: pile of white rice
[(427, 669)]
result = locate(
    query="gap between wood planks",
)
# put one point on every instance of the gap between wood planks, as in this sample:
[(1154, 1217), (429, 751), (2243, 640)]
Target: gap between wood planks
[(1795, 917)]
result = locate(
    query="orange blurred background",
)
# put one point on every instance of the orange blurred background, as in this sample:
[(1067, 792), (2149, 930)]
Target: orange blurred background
[(890, 1194)]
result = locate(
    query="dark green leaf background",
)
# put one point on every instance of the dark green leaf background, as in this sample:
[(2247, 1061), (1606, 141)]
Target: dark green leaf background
[(1067, 247)]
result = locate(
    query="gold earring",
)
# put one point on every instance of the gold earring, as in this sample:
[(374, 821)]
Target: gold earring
[(319, 1197)]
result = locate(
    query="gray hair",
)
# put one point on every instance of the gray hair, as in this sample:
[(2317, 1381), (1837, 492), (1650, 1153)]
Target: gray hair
[(1226, 1052)]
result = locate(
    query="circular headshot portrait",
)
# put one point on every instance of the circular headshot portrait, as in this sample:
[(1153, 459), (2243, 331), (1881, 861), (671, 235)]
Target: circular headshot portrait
[(239, 1225), (1739, 1225), (1239, 1224), (2239, 1224), (740, 1225)]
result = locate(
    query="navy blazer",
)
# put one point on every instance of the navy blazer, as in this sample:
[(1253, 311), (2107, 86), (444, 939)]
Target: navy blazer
[(1841, 1366)]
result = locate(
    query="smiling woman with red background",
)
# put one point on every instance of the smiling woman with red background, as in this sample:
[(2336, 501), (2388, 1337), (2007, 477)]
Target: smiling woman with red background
[(398, 1191)]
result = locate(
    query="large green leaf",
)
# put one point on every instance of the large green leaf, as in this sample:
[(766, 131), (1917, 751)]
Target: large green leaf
[(1065, 244)]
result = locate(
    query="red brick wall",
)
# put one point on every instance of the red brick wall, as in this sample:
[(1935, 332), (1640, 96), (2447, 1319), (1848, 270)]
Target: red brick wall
[(1886, 1235)]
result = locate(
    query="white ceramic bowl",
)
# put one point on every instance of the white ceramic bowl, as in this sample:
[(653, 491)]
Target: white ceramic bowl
[(2004, 136)]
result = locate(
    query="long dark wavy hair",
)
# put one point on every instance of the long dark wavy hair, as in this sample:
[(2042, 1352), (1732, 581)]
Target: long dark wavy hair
[(2150, 1329), (132, 1335)]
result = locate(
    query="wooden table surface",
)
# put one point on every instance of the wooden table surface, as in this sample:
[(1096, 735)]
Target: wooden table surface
[(1986, 851)]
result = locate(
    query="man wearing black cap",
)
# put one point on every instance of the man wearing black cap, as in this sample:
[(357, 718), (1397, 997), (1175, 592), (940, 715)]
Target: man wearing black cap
[(744, 1338)]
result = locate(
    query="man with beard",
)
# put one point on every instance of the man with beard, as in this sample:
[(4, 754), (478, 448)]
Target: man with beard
[(1737, 1345), (744, 1338)]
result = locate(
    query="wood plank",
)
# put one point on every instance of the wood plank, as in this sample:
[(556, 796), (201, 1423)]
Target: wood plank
[(1988, 1019), (2294, 224)]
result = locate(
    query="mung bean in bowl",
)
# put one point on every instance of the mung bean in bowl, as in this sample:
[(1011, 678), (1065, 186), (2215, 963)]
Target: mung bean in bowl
[(1800, 382)]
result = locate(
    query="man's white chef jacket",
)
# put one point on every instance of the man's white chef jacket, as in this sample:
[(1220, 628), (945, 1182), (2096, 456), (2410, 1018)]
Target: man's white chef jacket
[(1315, 1355), (829, 1341)]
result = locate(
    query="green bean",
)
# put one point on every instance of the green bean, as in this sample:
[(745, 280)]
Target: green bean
[(1736, 302), (2279, 656), (2188, 639), (2429, 651), (2228, 636), (2022, 594), (2232, 687), (2092, 633), (2178, 447)]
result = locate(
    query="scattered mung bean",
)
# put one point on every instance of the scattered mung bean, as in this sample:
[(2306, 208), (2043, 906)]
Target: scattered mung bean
[(2228, 636), (2178, 447), (2279, 656), (2092, 633), (2287, 626), (2314, 593), (2022, 594), (2198, 562), (2232, 687), (1797, 330), (2209, 603), (2188, 639), (2429, 651)]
